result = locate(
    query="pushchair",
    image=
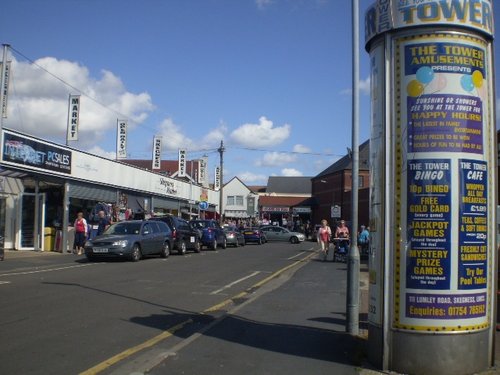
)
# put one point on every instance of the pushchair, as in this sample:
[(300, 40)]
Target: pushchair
[(341, 248)]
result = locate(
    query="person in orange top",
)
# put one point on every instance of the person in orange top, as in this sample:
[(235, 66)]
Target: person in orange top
[(81, 230)]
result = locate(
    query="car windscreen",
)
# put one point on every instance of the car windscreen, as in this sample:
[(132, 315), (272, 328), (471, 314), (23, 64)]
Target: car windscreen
[(199, 224), (124, 228)]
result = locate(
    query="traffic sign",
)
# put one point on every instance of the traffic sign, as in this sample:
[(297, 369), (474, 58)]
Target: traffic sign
[(203, 205)]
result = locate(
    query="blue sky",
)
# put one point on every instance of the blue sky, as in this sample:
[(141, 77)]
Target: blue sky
[(270, 77)]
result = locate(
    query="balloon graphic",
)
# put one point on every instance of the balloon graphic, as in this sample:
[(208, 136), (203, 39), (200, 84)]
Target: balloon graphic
[(438, 83), (466, 82), (414, 88), (425, 75), (477, 78)]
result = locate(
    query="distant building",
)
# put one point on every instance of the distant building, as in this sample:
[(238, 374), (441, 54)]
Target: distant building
[(239, 201), (286, 201), (332, 188)]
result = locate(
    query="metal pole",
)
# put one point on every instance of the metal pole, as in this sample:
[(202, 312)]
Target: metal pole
[(221, 191), (3, 92), (352, 309)]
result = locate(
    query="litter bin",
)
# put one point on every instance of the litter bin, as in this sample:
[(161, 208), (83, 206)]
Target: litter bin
[(49, 238)]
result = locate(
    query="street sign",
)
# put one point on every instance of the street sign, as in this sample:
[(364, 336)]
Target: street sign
[(336, 212), (203, 205)]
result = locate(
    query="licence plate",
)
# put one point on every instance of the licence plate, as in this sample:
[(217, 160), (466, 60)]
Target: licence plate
[(100, 250), (191, 239), (248, 232)]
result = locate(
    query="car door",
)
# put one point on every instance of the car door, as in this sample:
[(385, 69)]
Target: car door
[(158, 238), (270, 233), (147, 239), (282, 234)]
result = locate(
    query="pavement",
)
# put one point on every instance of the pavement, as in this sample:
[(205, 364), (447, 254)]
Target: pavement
[(294, 324)]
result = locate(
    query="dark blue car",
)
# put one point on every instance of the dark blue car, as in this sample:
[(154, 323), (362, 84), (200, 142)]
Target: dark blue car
[(212, 235)]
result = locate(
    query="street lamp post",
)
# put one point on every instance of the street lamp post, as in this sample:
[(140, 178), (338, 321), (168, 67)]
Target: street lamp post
[(353, 258)]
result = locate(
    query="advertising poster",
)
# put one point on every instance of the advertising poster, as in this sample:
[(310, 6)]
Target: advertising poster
[(441, 266)]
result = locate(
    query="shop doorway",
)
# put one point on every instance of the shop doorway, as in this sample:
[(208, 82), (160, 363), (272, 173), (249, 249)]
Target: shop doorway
[(30, 219)]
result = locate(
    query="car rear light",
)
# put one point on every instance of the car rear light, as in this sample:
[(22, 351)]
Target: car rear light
[(256, 232), (174, 234)]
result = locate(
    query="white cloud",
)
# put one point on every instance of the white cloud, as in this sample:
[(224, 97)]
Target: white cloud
[(38, 101), (252, 178), (173, 138), (301, 148), (262, 134), (96, 150), (291, 172), (262, 4), (275, 159), (364, 88)]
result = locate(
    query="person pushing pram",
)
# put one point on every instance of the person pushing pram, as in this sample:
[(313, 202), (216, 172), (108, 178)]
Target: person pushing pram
[(341, 241)]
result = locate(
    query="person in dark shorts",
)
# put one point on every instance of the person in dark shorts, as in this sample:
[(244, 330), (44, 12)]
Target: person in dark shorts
[(81, 230)]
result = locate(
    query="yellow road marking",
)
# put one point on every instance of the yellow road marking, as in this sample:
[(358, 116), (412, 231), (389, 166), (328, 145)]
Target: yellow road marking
[(127, 353), (170, 332)]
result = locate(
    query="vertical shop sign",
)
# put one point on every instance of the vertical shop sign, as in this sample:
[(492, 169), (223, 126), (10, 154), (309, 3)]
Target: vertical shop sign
[(182, 163), (5, 88), (121, 139), (156, 152), (73, 117), (217, 179)]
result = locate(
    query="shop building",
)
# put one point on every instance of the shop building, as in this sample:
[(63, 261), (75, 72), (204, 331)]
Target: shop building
[(43, 185), (287, 201), (239, 202), (332, 189)]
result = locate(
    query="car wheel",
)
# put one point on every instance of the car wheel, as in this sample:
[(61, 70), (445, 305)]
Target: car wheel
[(237, 244), (181, 248), (136, 253), (294, 240), (197, 246), (214, 244), (90, 258), (260, 241), (243, 243), (165, 251), (224, 243)]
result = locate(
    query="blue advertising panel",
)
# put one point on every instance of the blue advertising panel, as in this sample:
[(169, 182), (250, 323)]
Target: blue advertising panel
[(473, 239), (428, 224)]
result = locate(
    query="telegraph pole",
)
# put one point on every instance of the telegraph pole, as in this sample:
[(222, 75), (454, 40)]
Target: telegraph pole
[(221, 150), (353, 260)]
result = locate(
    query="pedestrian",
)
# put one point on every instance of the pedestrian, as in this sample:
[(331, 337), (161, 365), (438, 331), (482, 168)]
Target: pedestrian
[(342, 236), (364, 240), (103, 223), (81, 230), (323, 237)]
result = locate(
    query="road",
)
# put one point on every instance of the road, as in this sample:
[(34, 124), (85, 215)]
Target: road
[(63, 315)]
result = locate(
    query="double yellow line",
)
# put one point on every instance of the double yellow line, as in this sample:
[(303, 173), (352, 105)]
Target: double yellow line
[(171, 331)]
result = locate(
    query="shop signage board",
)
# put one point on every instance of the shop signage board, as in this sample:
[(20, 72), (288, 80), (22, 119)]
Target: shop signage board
[(35, 154), (73, 117)]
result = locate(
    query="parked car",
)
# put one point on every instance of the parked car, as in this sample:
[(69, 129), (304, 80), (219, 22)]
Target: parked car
[(254, 234), (212, 233), (184, 235), (234, 236), (275, 233), (133, 239)]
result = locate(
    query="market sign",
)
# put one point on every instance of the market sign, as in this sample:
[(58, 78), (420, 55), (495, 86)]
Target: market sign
[(34, 154), (275, 209), (301, 210)]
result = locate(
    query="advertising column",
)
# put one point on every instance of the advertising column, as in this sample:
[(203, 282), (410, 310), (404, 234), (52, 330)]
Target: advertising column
[(438, 245)]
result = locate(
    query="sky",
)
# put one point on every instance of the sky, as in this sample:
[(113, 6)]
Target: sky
[(271, 78)]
